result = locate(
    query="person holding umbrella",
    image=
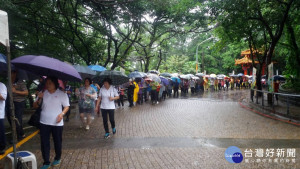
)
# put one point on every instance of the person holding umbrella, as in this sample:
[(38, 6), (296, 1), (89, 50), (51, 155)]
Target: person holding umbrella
[(20, 92), (3, 95), (51, 120), (176, 88), (130, 92), (107, 96), (154, 94), (87, 96)]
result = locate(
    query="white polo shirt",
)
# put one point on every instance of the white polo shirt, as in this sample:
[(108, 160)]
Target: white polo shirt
[(105, 94), (52, 106), (3, 93)]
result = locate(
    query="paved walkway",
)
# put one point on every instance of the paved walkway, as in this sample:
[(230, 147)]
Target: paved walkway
[(183, 132)]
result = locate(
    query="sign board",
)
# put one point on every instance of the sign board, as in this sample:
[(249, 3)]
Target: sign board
[(4, 34)]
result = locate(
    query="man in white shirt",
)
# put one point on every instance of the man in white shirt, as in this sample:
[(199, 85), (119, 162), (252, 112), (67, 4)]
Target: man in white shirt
[(3, 95)]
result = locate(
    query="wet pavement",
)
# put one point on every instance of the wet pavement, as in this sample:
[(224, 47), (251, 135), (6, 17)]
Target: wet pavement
[(184, 132)]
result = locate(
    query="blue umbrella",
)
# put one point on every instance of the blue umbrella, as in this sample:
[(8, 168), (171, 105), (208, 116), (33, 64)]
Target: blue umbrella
[(135, 74), (175, 78), (46, 66), (3, 64), (240, 74), (164, 81), (97, 68)]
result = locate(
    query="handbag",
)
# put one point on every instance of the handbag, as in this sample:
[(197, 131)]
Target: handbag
[(35, 117)]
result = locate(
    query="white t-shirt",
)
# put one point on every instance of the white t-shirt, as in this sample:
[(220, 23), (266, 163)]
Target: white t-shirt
[(105, 94), (3, 93), (52, 106)]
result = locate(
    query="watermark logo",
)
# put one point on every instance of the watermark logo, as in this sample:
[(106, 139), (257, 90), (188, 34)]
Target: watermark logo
[(233, 154)]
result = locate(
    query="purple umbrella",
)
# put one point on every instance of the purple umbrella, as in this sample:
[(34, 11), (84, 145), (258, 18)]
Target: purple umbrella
[(46, 66), (164, 81)]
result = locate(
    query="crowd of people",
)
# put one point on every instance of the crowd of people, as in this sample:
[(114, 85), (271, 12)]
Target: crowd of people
[(141, 90), (53, 98)]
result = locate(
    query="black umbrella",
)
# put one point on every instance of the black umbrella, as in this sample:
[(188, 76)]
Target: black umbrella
[(166, 75), (117, 77), (85, 71), (278, 77)]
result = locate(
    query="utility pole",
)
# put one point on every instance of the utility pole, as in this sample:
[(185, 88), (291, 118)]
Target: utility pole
[(202, 55)]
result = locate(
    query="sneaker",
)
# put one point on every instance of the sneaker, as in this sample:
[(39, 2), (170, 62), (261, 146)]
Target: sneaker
[(46, 166), (87, 127), (114, 130), (157, 102), (106, 136), (55, 163)]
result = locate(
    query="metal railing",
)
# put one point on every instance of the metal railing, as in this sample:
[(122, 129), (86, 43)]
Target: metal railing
[(288, 98)]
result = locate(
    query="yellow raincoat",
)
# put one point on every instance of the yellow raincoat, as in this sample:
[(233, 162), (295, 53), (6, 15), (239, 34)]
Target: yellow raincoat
[(136, 91)]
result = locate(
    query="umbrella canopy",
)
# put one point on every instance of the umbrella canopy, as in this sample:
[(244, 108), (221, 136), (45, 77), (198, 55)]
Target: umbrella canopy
[(97, 68), (164, 81), (195, 78), (175, 74), (278, 77), (154, 71), (175, 78), (166, 75), (154, 77), (200, 74), (240, 74), (117, 77), (46, 66), (135, 74), (221, 76), (212, 75), (206, 76), (85, 71), (186, 77), (3, 63)]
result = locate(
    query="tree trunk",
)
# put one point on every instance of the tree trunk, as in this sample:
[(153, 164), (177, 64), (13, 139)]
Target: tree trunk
[(160, 59), (147, 63), (258, 80)]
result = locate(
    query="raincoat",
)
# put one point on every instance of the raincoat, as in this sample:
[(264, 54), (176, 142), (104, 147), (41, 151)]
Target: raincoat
[(136, 91)]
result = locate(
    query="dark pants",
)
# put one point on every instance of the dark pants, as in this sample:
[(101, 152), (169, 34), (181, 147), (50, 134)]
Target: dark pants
[(193, 90), (154, 96), (111, 113), (175, 91), (145, 94), (2, 135), (19, 109), (45, 132), (121, 100), (164, 94), (130, 99), (140, 98)]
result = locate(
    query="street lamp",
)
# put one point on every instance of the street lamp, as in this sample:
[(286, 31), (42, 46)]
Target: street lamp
[(202, 55)]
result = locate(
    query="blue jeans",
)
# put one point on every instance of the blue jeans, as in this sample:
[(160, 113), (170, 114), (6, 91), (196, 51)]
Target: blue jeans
[(2, 135), (45, 132)]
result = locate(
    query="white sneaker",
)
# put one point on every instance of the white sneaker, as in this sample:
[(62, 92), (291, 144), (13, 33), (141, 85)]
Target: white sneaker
[(157, 102), (87, 127)]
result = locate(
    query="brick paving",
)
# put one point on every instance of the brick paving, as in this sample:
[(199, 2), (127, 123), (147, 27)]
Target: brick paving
[(177, 133)]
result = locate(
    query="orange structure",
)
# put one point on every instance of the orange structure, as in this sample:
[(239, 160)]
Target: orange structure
[(246, 62)]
